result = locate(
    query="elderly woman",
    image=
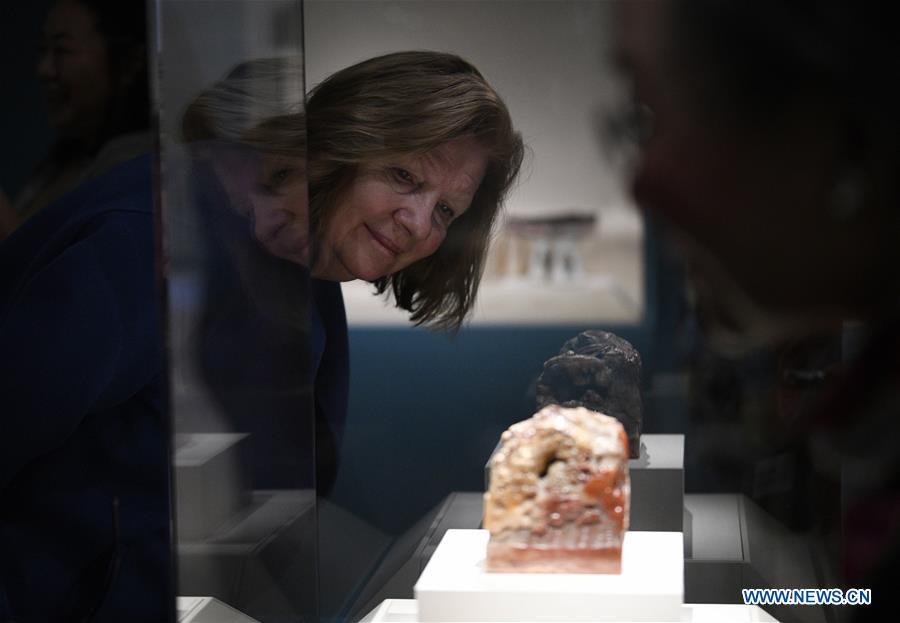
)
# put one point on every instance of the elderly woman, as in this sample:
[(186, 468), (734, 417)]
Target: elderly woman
[(769, 147), (409, 158)]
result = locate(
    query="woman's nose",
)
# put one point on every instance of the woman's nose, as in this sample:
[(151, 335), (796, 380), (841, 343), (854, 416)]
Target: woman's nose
[(415, 215)]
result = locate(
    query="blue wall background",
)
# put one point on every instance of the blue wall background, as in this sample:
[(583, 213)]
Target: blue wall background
[(426, 410)]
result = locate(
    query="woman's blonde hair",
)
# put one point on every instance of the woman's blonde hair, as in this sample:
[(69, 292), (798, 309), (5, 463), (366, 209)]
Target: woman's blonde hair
[(259, 104), (409, 103), (257, 108)]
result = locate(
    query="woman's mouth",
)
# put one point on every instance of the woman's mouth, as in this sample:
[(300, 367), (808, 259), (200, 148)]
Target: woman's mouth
[(384, 243)]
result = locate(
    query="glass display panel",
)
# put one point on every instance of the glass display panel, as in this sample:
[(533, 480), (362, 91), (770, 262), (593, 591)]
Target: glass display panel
[(426, 407), (723, 458), (234, 177), (326, 188), (85, 513)]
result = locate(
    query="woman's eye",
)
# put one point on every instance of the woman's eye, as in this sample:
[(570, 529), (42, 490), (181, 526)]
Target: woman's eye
[(402, 175), (446, 212), (275, 181), (280, 177)]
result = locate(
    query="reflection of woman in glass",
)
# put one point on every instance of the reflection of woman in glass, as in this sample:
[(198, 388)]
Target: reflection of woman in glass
[(247, 136), (409, 158), (250, 129)]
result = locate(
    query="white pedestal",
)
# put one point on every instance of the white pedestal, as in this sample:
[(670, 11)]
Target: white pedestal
[(407, 611), (260, 561), (208, 610), (657, 484), (210, 483), (455, 586)]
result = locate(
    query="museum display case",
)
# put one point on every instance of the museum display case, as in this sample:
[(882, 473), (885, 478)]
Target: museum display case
[(332, 460), (427, 410), (238, 314), (391, 528)]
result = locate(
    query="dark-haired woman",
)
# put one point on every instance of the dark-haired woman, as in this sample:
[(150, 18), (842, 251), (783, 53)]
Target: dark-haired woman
[(84, 490), (92, 66)]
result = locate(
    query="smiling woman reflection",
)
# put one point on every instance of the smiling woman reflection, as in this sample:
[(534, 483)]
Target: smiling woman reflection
[(410, 157)]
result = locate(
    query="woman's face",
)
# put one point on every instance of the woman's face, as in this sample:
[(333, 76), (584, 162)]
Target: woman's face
[(281, 209), (397, 212), (270, 190), (74, 70)]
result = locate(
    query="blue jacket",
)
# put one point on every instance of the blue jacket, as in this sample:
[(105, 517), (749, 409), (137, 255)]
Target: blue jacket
[(84, 476)]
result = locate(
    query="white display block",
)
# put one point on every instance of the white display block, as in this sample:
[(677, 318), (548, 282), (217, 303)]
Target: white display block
[(406, 611), (657, 484), (455, 586), (208, 610), (210, 482)]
